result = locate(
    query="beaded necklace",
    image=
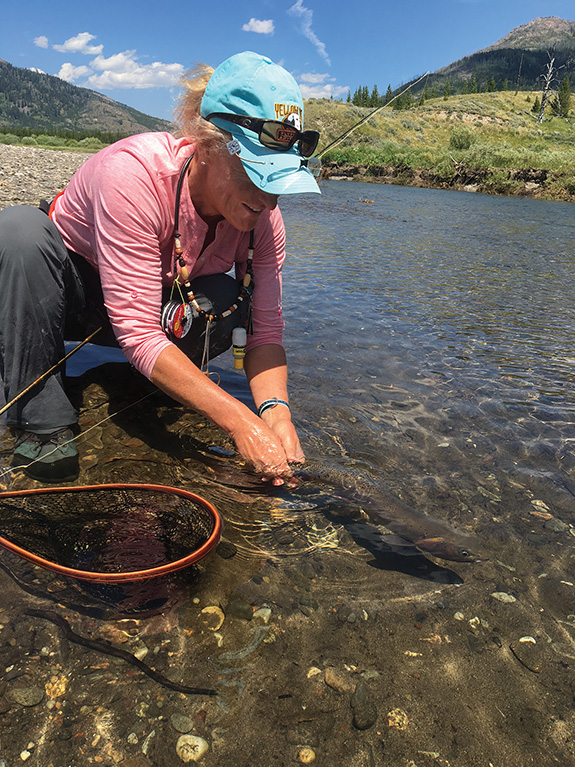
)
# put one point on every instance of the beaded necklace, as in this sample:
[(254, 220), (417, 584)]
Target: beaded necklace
[(181, 269)]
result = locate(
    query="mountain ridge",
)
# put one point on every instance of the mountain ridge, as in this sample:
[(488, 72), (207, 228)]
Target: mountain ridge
[(519, 58), (544, 31), (39, 101)]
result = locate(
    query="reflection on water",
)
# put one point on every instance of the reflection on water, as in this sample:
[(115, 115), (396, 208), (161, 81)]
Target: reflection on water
[(434, 325)]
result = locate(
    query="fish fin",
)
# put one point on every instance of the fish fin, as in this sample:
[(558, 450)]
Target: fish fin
[(393, 539)]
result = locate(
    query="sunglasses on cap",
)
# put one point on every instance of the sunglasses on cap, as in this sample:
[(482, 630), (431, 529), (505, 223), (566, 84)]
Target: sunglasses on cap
[(273, 134)]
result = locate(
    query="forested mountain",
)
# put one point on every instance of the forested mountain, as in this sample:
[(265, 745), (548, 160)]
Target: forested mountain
[(40, 102), (518, 60), (44, 102)]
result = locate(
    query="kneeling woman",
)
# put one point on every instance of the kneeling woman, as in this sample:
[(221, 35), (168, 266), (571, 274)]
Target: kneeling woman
[(136, 227)]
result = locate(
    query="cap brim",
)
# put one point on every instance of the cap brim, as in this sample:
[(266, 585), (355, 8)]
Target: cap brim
[(273, 172)]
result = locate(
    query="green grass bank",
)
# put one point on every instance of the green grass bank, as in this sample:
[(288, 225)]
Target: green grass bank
[(485, 142)]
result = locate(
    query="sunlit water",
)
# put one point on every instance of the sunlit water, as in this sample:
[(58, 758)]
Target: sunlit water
[(426, 322), (430, 340)]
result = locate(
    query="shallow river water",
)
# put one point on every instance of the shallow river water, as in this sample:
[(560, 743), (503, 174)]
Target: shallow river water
[(430, 338)]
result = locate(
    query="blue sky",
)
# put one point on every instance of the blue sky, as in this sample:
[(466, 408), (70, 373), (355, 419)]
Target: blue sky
[(136, 52)]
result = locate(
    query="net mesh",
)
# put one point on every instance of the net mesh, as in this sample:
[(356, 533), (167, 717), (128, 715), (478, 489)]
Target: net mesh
[(112, 531)]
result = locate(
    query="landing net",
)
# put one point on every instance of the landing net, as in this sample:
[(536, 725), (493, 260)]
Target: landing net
[(113, 533)]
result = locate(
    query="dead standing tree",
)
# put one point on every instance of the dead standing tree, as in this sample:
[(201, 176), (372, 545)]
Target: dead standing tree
[(550, 78)]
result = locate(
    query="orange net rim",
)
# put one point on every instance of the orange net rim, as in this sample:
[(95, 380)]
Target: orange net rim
[(134, 575)]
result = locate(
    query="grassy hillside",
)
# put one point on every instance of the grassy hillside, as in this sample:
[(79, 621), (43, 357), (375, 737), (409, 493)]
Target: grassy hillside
[(486, 141), (46, 103)]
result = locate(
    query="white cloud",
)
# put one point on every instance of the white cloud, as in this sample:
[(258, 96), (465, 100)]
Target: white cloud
[(119, 62), (71, 73), (306, 17), (260, 26), (79, 44), (325, 91), (320, 86), (41, 42), (35, 69), (122, 70), (313, 77)]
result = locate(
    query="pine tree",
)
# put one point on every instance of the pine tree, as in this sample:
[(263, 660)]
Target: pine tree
[(446, 91), (473, 84), (491, 85), (536, 106), (563, 100), (388, 95)]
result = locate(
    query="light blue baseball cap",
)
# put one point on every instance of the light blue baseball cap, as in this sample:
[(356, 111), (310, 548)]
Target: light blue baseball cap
[(252, 85)]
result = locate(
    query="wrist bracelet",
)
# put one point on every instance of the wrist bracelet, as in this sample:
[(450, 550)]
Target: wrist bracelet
[(271, 403)]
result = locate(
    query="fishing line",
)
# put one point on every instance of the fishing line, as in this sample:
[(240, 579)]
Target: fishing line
[(366, 118), (81, 436), (51, 370)]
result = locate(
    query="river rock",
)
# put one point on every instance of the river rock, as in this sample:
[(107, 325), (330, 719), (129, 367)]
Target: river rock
[(191, 748), (181, 723), (226, 549), (555, 525), (338, 681), (239, 607), (27, 696), (502, 596), (363, 707)]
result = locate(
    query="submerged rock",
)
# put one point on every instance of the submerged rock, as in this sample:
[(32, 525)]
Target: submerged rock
[(239, 607), (363, 707), (181, 722), (27, 696), (191, 748)]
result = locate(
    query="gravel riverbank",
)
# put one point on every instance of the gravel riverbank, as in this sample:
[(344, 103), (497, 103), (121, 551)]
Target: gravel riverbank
[(28, 174)]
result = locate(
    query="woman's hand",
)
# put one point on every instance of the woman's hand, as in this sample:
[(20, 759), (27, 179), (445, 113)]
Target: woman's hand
[(267, 374), (262, 447), (278, 418)]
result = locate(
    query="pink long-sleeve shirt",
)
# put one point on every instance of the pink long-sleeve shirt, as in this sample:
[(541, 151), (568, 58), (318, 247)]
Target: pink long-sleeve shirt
[(118, 213)]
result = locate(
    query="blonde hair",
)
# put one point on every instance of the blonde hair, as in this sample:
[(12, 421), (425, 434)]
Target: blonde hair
[(188, 117)]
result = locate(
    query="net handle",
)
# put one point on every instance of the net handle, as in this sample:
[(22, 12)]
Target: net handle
[(135, 575)]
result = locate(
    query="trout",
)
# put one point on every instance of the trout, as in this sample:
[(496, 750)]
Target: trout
[(414, 528), (427, 534)]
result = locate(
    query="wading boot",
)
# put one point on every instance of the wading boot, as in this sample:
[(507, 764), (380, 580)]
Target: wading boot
[(46, 457)]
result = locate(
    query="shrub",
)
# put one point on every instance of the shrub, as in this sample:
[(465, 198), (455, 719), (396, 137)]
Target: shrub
[(461, 137), (44, 140), (90, 142), (29, 141)]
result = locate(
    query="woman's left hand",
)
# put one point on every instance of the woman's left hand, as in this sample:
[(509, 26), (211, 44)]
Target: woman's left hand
[(279, 420)]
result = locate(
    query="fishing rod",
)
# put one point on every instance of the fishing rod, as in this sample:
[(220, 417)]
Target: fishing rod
[(366, 118), (47, 373)]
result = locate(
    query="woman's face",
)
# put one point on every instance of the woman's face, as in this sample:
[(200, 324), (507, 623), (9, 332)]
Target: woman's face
[(221, 189)]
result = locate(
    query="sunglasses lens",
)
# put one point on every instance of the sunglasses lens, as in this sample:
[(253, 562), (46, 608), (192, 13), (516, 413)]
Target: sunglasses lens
[(308, 142), (275, 135)]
